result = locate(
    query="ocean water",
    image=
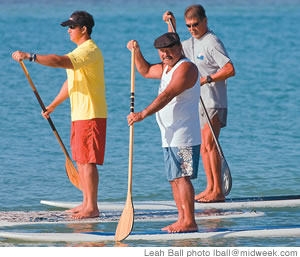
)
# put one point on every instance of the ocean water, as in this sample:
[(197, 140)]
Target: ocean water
[(261, 141)]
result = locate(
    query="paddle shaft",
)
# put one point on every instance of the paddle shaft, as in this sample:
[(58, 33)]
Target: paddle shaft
[(44, 109), (205, 111), (131, 127)]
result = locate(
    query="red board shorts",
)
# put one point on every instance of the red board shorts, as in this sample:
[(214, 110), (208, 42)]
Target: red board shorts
[(88, 140)]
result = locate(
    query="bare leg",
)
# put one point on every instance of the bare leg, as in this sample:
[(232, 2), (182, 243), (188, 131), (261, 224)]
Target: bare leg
[(217, 193), (89, 207), (212, 164), (207, 168), (183, 192), (81, 179), (178, 205)]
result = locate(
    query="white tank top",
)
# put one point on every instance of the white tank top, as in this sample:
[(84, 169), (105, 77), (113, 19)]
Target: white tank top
[(179, 119)]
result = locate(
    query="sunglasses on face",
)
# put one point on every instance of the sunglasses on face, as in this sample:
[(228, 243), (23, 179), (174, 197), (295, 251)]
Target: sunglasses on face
[(73, 26), (192, 25)]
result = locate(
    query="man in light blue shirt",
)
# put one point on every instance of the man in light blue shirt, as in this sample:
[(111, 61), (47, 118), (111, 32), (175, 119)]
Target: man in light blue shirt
[(206, 50)]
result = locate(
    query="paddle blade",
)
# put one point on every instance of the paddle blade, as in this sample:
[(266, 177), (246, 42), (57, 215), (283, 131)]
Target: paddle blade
[(226, 177), (125, 224), (72, 173)]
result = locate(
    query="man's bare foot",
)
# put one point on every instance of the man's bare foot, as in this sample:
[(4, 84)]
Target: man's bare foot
[(76, 209), (202, 194), (167, 228), (212, 198), (182, 227), (85, 214)]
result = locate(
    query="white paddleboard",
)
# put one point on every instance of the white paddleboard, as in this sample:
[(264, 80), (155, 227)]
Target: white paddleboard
[(20, 218), (230, 203), (276, 231)]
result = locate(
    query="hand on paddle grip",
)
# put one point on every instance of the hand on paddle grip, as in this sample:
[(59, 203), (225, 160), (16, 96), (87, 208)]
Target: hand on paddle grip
[(19, 55), (167, 16), (133, 44)]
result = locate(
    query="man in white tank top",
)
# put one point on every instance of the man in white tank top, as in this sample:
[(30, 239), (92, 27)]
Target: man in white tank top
[(176, 108)]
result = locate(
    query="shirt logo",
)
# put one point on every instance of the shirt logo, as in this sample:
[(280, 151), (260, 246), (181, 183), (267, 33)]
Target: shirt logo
[(200, 57)]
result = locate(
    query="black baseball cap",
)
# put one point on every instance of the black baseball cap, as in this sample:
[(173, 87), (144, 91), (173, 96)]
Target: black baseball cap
[(166, 40), (80, 18)]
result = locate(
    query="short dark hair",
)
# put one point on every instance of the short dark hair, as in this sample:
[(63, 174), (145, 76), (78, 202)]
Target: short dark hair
[(195, 11)]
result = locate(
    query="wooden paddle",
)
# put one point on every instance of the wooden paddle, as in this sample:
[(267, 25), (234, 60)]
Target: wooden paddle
[(70, 169), (225, 171), (125, 224)]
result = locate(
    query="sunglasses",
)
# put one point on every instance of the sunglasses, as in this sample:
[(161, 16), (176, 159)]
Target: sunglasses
[(192, 25), (73, 26)]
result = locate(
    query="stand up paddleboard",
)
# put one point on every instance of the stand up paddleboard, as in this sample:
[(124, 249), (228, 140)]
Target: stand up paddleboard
[(230, 203), (266, 231), (20, 218)]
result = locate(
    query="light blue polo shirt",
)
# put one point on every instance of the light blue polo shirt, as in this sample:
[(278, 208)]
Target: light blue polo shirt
[(209, 55)]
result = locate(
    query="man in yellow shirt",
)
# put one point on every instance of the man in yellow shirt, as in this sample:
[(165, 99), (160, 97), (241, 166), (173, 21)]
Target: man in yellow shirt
[(85, 87)]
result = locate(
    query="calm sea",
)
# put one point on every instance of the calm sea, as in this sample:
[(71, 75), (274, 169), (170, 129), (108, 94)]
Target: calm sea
[(261, 142)]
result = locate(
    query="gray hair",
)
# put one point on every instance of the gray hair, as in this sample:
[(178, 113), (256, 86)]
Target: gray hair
[(195, 11)]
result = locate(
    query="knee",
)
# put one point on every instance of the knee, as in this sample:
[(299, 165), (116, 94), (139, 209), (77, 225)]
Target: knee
[(208, 147), (182, 181), (203, 149)]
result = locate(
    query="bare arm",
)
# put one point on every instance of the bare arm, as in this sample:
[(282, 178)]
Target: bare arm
[(152, 71), (56, 61), (169, 16), (62, 96), (183, 78), (224, 73)]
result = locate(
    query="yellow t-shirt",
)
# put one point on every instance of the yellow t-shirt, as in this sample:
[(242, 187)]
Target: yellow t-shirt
[(86, 84)]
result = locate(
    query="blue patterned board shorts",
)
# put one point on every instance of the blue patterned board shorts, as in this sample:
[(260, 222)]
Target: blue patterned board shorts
[(181, 161)]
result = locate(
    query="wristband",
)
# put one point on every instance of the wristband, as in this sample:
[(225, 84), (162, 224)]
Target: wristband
[(32, 57)]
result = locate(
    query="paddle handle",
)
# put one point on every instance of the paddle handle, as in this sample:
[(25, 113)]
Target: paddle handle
[(132, 80), (44, 108), (130, 164), (171, 24)]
